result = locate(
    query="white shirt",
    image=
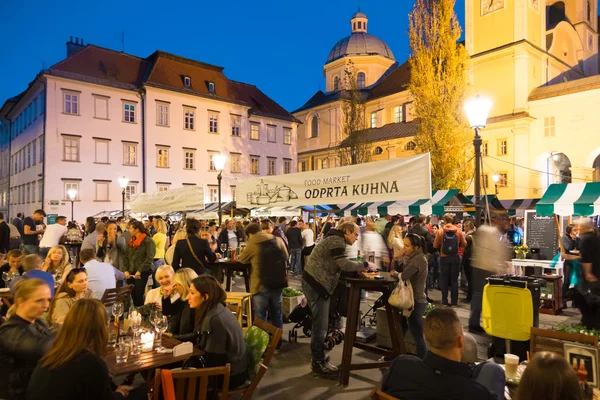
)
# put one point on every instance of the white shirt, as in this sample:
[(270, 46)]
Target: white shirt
[(308, 237), (101, 276), (52, 235), (233, 240)]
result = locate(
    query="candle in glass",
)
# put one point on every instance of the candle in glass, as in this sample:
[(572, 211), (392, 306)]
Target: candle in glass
[(147, 341)]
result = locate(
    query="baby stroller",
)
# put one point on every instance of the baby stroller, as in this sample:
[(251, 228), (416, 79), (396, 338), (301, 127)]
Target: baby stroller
[(302, 318)]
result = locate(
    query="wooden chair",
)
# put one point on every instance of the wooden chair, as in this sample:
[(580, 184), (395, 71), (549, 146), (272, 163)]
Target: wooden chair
[(192, 384), (237, 310), (248, 389), (111, 296), (553, 341), (377, 394)]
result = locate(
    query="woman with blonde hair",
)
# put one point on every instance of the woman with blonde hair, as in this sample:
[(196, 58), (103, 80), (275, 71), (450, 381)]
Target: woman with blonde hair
[(164, 277), (74, 288), (79, 346), (181, 316), (160, 240), (24, 338), (395, 242), (57, 263)]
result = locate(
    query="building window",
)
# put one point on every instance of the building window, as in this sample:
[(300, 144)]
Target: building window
[(410, 146), (211, 161), (211, 87), (287, 136), (33, 192), (233, 193), (102, 191), (69, 186), (361, 80), (503, 181), (374, 119), (287, 166), (41, 148), (190, 159), (502, 147), (128, 112), (162, 188), (187, 81), (70, 148), (162, 157), (254, 131), (162, 114), (336, 83), (34, 158), (485, 180), (101, 150), (213, 194), (235, 163), (130, 191), (549, 129), (71, 103), (41, 189), (378, 151), (271, 134), (100, 107), (314, 127), (29, 155), (129, 154), (302, 166), (236, 123), (28, 198), (189, 117), (324, 163), (254, 169), (398, 114), (23, 160), (484, 149), (270, 166), (213, 122)]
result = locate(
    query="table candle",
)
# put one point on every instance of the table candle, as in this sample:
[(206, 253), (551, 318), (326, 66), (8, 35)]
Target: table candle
[(147, 341)]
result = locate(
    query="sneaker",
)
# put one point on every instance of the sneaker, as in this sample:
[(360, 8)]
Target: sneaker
[(322, 369)]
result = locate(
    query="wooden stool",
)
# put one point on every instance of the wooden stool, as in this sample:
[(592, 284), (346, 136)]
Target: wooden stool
[(243, 299)]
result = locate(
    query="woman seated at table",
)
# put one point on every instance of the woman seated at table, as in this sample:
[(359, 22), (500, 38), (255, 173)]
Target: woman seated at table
[(24, 338), (220, 334), (57, 262), (74, 288), (193, 252), (164, 277), (74, 368), (550, 377), (174, 305)]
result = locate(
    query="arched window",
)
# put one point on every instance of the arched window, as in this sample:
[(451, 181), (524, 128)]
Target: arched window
[(361, 80), (410, 146), (314, 126), (336, 83), (378, 150)]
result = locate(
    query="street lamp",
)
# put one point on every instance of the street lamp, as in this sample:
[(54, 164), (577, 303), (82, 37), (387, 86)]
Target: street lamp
[(477, 110), (496, 178), (72, 193), (123, 182), (219, 162)]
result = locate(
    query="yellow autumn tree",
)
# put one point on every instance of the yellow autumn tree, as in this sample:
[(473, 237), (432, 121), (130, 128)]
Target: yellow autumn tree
[(439, 86)]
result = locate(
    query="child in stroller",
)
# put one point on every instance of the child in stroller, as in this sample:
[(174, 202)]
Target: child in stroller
[(302, 318)]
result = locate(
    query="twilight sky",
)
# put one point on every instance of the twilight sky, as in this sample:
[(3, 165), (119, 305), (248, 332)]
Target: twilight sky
[(279, 46)]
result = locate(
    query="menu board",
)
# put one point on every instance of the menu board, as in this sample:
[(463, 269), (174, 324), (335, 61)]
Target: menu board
[(540, 232)]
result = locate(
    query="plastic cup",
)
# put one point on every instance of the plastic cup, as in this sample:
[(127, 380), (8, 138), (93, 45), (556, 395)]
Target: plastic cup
[(511, 362), (122, 352)]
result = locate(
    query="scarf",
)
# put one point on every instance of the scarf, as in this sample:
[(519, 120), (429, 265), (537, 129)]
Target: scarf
[(137, 242)]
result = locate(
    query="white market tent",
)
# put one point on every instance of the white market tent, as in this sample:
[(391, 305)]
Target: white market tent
[(181, 199)]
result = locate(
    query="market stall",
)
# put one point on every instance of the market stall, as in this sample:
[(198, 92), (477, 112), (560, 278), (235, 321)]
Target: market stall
[(181, 199)]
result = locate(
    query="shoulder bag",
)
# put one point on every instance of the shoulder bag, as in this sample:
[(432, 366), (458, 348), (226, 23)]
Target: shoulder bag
[(402, 297), (194, 254)]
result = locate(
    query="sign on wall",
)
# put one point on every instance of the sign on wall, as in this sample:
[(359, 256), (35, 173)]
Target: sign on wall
[(406, 178)]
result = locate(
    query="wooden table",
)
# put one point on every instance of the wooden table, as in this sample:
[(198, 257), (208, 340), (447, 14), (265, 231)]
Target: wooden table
[(385, 286), (233, 266), (6, 297), (146, 362)]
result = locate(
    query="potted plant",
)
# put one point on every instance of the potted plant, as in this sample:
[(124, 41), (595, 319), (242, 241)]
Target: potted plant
[(521, 251), (291, 298)]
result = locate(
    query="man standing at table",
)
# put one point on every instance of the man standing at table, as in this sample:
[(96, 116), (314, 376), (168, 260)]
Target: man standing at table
[(320, 279), (30, 232)]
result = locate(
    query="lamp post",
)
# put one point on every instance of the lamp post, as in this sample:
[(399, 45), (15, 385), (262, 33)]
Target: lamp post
[(496, 178), (219, 162), (72, 193), (123, 182), (477, 110)]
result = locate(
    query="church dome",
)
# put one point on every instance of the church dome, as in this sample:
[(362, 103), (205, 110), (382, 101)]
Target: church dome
[(359, 43)]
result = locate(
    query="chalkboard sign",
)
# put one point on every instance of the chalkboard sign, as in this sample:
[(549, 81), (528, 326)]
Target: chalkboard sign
[(540, 232)]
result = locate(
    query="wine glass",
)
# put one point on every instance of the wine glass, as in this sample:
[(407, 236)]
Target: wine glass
[(223, 247), (161, 323), (6, 278)]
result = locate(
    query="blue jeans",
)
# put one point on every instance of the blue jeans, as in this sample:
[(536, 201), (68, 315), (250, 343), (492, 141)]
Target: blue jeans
[(296, 261), (44, 252), (31, 248), (449, 269), (414, 323), (491, 376), (268, 301), (319, 308)]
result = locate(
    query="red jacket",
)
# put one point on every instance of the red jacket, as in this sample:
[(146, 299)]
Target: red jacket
[(437, 243)]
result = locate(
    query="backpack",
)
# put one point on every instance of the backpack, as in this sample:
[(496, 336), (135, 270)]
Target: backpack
[(450, 243), (273, 273)]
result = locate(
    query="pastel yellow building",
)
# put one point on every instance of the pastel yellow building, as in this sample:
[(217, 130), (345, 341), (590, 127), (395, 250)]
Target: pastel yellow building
[(537, 60)]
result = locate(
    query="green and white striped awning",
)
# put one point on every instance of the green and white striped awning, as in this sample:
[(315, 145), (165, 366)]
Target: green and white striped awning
[(436, 205), (570, 199)]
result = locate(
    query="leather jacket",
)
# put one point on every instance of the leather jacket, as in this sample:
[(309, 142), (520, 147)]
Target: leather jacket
[(22, 345)]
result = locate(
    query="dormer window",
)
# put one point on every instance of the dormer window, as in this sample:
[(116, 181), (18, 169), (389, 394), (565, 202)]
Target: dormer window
[(187, 81), (211, 87)]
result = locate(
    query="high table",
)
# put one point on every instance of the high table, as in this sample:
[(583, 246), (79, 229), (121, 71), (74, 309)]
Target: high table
[(233, 266), (385, 286)]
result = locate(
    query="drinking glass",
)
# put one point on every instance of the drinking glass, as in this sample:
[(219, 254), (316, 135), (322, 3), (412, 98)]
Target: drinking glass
[(223, 248), (136, 344), (160, 326), (126, 323), (122, 352), (6, 278), (117, 310)]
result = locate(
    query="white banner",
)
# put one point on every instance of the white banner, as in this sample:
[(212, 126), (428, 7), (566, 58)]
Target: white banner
[(406, 178), (182, 199), (275, 212)]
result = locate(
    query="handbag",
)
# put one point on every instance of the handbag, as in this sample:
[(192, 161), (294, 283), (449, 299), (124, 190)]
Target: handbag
[(402, 297)]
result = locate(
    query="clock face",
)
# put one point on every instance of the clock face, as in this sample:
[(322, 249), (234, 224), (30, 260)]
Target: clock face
[(535, 4), (488, 6)]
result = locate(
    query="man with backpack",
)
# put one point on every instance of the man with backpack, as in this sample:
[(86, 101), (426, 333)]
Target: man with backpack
[(448, 240), (268, 256)]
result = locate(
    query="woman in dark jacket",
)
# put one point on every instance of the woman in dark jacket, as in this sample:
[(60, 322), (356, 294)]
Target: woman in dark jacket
[(193, 252), (139, 259), (181, 316), (24, 338)]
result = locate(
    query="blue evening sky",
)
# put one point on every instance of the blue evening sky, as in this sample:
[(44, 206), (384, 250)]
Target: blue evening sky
[(279, 46)]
